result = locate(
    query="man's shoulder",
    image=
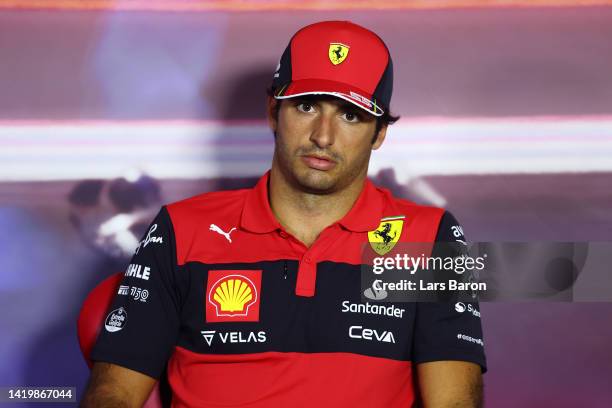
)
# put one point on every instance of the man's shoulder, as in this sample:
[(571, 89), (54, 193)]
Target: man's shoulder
[(199, 221), (396, 206), (423, 221), (218, 205), (210, 199)]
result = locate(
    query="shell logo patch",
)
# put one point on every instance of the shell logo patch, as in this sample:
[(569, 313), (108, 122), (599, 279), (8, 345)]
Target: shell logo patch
[(388, 233), (337, 53), (233, 296)]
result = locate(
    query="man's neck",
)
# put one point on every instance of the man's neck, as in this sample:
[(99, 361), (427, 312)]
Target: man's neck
[(304, 215)]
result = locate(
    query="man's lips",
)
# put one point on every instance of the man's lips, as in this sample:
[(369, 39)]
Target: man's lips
[(318, 162)]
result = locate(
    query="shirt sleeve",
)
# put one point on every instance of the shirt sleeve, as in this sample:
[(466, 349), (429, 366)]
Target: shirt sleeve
[(141, 327), (448, 330)]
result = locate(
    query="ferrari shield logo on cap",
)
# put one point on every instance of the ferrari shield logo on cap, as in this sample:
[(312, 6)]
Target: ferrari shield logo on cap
[(338, 53), (384, 238)]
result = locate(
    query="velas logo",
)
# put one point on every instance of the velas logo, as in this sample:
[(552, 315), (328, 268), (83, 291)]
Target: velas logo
[(233, 296), (384, 238), (337, 53)]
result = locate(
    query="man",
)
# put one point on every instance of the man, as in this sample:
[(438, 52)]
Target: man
[(251, 295)]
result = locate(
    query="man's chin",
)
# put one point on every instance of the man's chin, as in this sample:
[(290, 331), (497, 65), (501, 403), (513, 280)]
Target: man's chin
[(317, 182)]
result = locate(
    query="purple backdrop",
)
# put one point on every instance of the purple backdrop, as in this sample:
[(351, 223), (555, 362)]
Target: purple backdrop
[(521, 96)]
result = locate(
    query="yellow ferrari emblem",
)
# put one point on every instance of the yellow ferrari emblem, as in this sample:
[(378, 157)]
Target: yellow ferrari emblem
[(384, 238), (338, 53)]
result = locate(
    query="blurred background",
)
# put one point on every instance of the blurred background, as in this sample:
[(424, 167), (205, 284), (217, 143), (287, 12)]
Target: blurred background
[(109, 109)]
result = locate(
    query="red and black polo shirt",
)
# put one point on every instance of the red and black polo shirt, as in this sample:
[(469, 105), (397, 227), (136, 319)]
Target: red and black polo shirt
[(242, 314)]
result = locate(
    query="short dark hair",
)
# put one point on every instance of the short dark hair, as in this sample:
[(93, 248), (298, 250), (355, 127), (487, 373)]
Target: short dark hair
[(385, 119)]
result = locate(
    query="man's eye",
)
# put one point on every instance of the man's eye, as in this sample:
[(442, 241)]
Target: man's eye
[(305, 107), (351, 117)]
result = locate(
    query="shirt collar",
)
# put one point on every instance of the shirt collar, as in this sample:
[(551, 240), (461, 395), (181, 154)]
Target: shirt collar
[(365, 215), (257, 216), (367, 211)]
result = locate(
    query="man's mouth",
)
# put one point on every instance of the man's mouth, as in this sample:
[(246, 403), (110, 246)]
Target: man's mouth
[(318, 162)]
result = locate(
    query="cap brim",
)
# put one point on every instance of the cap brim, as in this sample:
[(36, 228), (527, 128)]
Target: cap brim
[(323, 87)]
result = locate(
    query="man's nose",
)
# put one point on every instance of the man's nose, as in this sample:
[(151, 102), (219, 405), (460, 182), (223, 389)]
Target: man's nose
[(323, 132)]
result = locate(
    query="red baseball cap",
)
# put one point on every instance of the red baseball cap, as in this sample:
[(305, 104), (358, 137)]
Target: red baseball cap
[(337, 58)]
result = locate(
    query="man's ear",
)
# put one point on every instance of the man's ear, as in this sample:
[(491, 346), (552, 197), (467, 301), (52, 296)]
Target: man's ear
[(271, 112), (380, 137)]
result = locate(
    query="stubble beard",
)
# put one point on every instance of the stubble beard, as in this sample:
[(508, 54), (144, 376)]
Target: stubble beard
[(313, 181)]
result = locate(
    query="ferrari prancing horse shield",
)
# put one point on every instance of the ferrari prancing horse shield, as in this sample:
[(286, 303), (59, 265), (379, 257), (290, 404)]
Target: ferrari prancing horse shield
[(384, 238), (338, 53)]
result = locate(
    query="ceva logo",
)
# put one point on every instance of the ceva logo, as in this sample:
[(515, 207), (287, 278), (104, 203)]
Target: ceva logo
[(359, 332)]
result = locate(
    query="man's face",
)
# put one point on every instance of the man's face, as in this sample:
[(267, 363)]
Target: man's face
[(323, 143)]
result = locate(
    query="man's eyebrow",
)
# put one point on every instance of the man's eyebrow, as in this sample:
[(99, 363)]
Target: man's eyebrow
[(304, 99), (345, 105), (339, 102)]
